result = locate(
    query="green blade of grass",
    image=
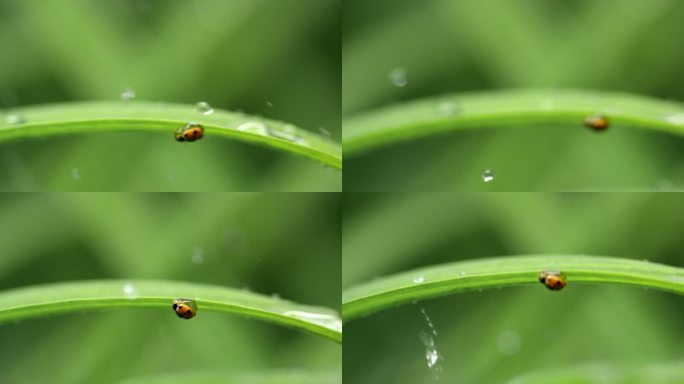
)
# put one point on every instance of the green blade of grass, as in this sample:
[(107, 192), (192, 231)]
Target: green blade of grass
[(69, 297), (662, 373), (460, 276), (290, 377), (89, 117), (502, 108)]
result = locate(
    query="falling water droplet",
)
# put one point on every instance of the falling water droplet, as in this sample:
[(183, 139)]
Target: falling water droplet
[(76, 174), (127, 94), (204, 108), (130, 290), (269, 104), (254, 127), (399, 77), (419, 279), (14, 119), (429, 322), (488, 175), (197, 255), (509, 343), (432, 356)]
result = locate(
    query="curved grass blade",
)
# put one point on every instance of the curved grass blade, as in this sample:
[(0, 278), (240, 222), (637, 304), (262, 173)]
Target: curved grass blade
[(460, 276), (89, 117), (294, 377), (426, 117), (665, 373), (69, 297)]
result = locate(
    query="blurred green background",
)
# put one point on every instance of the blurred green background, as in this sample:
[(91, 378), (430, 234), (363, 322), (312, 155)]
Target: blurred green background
[(257, 56), (494, 336), (273, 244), (453, 46)]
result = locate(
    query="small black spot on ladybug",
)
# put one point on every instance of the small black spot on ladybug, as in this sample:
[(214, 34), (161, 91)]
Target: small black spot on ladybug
[(188, 312), (174, 306)]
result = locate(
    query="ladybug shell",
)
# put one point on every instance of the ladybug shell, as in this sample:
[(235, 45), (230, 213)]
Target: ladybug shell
[(597, 122), (185, 309), (553, 280), (191, 132)]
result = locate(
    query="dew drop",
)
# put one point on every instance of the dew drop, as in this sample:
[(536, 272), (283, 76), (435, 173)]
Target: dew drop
[(447, 108), (399, 76), (328, 321), (254, 127), (130, 290), (76, 174), (509, 343), (419, 279), (197, 255), (127, 94), (677, 118), (204, 108), (287, 134), (488, 176), (14, 119)]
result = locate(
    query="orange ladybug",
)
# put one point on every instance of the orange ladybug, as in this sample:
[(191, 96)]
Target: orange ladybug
[(185, 308), (553, 280), (191, 132), (596, 122)]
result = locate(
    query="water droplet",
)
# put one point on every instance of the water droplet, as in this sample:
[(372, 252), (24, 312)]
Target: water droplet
[(448, 108), (269, 104), (204, 108), (287, 134), (399, 77), (488, 175), (325, 320), (462, 273), (127, 94), (429, 322), (254, 127), (677, 118), (432, 356), (197, 255), (419, 279), (130, 290), (15, 119), (509, 343), (76, 174), (324, 131)]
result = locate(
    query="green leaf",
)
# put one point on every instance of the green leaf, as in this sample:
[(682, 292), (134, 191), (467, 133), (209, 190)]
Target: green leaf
[(426, 117), (275, 377), (423, 283), (663, 373), (60, 298), (89, 117)]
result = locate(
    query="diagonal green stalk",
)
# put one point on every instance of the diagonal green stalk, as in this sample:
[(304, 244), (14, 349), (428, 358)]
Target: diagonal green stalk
[(427, 117), (89, 117), (439, 280), (70, 297)]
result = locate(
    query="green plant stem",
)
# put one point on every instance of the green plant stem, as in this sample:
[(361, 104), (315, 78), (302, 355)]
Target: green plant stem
[(401, 122), (90, 117), (423, 283), (23, 303)]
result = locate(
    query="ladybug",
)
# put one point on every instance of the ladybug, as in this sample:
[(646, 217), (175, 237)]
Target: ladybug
[(596, 122), (191, 132), (553, 280), (185, 308)]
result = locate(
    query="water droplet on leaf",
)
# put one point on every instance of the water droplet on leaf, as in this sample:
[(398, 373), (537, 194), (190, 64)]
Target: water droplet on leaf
[(130, 290), (127, 94), (204, 108), (399, 77), (419, 279), (488, 175), (15, 119)]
